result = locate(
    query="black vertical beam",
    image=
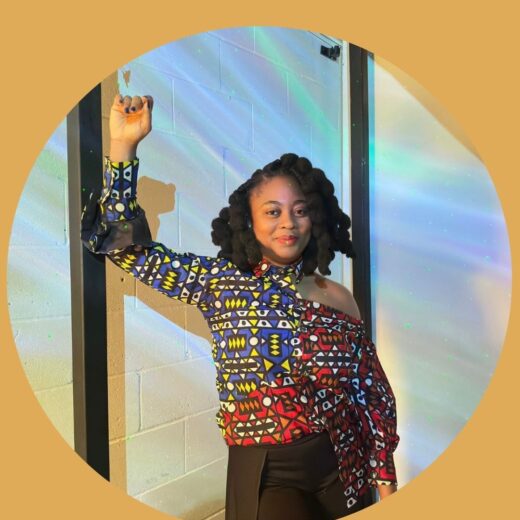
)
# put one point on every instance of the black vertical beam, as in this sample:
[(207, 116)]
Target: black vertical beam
[(360, 194), (88, 289), (359, 131)]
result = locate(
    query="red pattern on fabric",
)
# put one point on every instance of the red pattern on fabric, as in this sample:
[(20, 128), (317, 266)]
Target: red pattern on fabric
[(349, 395)]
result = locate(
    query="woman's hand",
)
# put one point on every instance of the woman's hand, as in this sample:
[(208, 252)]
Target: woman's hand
[(130, 123), (385, 490)]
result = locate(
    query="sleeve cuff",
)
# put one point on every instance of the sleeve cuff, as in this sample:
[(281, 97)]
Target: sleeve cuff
[(102, 236), (382, 468)]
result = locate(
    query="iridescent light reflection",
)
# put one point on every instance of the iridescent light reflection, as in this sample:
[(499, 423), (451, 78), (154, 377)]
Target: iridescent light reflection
[(441, 269)]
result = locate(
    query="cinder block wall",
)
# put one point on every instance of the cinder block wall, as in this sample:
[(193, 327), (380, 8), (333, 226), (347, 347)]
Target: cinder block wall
[(226, 103)]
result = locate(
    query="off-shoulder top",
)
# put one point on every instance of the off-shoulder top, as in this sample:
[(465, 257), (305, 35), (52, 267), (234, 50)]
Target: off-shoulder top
[(286, 367)]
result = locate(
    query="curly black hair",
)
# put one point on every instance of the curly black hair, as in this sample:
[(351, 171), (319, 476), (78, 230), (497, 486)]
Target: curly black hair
[(232, 230)]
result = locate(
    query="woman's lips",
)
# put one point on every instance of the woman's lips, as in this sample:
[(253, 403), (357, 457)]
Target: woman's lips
[(288, 240)]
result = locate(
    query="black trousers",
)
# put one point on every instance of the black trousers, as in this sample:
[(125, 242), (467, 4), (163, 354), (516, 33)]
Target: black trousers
[(297, 481)]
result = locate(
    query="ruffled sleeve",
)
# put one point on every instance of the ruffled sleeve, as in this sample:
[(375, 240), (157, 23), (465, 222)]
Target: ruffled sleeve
[(112, 220)]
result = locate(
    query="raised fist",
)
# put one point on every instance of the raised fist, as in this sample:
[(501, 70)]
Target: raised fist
[(130, 119)]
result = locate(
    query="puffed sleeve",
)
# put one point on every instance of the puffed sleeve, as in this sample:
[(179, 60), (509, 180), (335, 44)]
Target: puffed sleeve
[(114, 224), (376, 399)]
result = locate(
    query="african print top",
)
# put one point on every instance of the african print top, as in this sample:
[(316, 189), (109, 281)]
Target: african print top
[(286, 367)]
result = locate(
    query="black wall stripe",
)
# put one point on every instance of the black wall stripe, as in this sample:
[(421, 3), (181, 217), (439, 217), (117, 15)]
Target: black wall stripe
[(88, 290), (359, 149), (359, 131)]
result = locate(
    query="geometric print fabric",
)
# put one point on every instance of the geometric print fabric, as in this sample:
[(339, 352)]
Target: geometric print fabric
[(286, 367)]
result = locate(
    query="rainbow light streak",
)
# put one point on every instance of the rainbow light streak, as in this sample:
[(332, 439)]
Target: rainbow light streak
[(441, 271)]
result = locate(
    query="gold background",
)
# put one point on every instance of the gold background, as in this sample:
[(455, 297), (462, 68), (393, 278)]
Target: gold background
[(464, 54)]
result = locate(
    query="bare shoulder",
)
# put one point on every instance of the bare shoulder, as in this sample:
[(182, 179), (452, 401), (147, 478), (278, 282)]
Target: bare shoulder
[(331, 293)]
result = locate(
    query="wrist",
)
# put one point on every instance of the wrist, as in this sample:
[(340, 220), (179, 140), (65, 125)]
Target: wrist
[(121, 151)]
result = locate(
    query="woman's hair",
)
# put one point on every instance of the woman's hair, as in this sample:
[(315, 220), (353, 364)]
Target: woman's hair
[(232, 229)]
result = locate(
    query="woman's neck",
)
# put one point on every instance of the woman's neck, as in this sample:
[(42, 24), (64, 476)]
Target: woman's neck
[(279, 264)]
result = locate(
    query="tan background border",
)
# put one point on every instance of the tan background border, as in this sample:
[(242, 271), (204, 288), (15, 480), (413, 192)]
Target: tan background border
[(466, 56)]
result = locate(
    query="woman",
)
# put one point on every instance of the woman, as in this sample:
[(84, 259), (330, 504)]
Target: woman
[(306, 408)]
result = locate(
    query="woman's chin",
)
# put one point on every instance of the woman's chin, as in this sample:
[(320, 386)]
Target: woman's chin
[(283, 259)]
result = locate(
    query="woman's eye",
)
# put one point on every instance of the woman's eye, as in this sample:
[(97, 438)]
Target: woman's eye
[(301, 212), (272, 212)]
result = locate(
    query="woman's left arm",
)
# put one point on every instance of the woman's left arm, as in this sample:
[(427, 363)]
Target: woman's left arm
[(375, 397)]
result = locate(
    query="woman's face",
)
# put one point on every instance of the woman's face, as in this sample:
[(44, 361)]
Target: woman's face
[(280, 219)]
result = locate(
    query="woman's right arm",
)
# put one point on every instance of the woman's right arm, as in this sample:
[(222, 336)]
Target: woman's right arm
[(114, 224)]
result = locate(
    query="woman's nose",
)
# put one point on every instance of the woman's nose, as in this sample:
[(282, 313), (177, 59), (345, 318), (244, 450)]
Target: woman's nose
[(287, 221)]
